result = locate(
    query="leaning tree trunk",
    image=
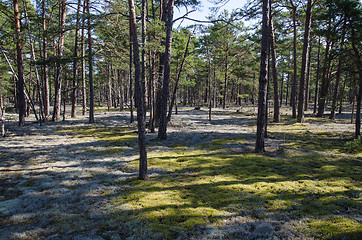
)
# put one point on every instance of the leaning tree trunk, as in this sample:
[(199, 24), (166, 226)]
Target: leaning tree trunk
[(21, 104), (141, 120), (308, 21), (173, 99), (263, 79), (58, 80), (166, 75)]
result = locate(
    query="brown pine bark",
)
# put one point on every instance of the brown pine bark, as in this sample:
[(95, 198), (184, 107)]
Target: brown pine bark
[(263, 79), (21, 104), (293, 93), (317, 78), (276, 117), (308, 21), (84, 86), (166, 75), (173, 98), (58, 80), (45, 55), (90, 62), (75, 64), (141, 110)]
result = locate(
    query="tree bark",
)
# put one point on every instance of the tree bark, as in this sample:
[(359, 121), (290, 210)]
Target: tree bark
[(276, 117), (263, 79), (58, 80), (21, 104), (84, 86), (325, 81), (162, 135), (308, 21), (178, 79), (46, 96), (317, 78), (90, 62), (293, 93), (141, 120), (75, 64)]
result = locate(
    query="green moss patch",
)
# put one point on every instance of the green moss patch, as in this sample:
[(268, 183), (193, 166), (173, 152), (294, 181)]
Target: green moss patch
[(200, 187), (113, 136)]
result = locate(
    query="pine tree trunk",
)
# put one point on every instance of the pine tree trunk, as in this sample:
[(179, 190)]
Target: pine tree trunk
[(21, 104), (308, 21), (276, 117), (166, 75), (263, 79), (58, 80), (173, 99), (338, 79), (317, 78), (75, 64), (294, 79), (141, 120), (45, 74), (84, 86), (307, 84), (325, 81), (90, 62)]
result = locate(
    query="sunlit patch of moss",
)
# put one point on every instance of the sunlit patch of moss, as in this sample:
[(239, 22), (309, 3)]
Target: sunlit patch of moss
[(335, 227), (108, 150), (222, 143), (113, 136), (203, 187)]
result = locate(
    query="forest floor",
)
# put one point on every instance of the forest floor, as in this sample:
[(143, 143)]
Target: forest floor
[(73, 180)]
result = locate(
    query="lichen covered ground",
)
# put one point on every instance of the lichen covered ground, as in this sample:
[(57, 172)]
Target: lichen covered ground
[(72, 180)]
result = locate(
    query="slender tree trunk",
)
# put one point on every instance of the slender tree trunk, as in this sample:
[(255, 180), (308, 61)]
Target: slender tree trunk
[(294, 79), (75, 64), (209, 83), (307, 85), (131, 77), (281, 90), (2, 115), (338, 79), (109, 87), (90, 62), (58, 80), (84, 86), (35, 67), (317, 78), (341, 95), (45, 55), (166, 75), (287, 94), (226, 77), (143, 67), (276, 117), (308, 21), (21, 104), (177, 80), (263, 79), (359, 95), (325, 81), (141, 120)]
